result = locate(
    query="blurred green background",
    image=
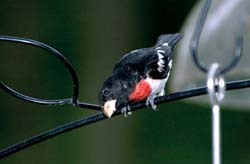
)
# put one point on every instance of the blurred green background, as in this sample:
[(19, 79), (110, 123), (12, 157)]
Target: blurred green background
[(93, 35)]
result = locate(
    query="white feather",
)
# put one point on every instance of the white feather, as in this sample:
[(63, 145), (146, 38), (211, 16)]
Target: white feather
[(161, 62)]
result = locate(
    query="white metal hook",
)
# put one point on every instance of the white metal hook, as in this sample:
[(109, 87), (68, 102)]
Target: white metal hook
[(215, 79), (216, 95)]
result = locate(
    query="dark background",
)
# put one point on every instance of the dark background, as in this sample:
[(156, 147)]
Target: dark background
[(94, 34)]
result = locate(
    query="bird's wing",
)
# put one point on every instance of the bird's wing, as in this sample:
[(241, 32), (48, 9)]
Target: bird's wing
[(147, 61)]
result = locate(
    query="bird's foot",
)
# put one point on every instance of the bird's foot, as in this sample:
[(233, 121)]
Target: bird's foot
[(150, 101), (126, 111)]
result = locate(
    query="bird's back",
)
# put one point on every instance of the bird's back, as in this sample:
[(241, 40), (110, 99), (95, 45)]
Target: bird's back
[(155, 61)]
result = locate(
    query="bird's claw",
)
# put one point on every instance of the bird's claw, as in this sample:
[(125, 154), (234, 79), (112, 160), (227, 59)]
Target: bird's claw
[(126, 111), (150, 102)]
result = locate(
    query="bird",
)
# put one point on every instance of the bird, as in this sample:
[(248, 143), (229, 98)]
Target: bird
[(138, 76)]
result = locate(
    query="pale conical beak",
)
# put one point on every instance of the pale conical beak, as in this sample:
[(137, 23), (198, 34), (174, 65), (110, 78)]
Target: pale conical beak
[(109, 108)]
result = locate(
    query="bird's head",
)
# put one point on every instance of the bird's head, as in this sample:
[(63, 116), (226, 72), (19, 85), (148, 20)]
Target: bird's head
[(111, 91)]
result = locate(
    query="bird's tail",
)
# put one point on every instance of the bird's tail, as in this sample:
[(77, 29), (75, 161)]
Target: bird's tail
[(169, 39)]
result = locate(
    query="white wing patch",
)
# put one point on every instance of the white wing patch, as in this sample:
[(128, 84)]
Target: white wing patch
[(161, 62)]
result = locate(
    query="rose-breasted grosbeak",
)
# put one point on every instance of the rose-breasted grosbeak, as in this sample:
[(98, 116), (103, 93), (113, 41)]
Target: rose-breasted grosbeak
[(139, 75)]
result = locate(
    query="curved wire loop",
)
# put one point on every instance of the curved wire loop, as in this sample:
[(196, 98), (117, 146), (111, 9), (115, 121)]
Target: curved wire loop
[(32, 99), (67, 64), (196, 37)]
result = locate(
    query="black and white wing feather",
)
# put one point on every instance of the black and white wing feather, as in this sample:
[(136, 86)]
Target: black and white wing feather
[(155, 62)]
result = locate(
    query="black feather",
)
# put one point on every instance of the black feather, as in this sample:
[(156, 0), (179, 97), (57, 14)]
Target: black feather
[(144, 61)]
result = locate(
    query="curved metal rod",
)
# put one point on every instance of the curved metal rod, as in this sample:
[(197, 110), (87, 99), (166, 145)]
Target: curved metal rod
[(67, 64), (196, 37), (236, 56), (32, 99)]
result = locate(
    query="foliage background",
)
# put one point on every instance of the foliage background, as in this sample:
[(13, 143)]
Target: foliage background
[(94, 34)]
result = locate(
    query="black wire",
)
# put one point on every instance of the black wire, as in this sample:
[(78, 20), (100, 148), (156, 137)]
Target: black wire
[(49, 134), (23, 97), (99, 116), (67, 64)]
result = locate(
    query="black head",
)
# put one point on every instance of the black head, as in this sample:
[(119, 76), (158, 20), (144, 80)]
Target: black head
[(111, 89), (110, 95), (115, 91)]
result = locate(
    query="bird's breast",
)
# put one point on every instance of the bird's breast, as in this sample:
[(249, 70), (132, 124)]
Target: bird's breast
[(141, 92)]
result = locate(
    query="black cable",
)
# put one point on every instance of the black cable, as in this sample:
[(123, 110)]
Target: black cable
[(99, 116)]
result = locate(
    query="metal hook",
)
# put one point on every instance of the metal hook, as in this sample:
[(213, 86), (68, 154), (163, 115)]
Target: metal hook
[(215, 78), (67, 64), (196, 37)]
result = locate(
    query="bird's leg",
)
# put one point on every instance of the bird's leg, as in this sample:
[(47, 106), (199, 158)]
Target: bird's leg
[(150, 101), (126, 111)]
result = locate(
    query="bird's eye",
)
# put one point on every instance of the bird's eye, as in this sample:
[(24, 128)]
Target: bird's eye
[(106, 92)]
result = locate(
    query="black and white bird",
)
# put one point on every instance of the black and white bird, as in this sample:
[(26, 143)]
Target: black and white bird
[(139, 75)]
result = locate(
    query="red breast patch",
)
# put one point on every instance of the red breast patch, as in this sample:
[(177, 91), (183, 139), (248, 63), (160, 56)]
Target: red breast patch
[(141, 92)]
